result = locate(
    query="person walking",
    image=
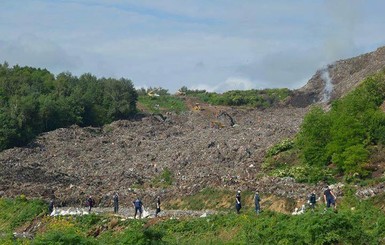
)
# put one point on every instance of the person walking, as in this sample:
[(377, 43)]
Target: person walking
[(90, 203), (138, 207), (238, 204), (329, 198), (257, 199), (157, 206), (116, 202)]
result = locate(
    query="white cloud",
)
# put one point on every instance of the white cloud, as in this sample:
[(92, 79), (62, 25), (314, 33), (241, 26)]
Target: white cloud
[(231, 83), (31, 50), (173, 43)]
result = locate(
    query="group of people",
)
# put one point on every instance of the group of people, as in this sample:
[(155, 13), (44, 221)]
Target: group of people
[(238, 203), (137, 203), (328, 196), (138, 206)]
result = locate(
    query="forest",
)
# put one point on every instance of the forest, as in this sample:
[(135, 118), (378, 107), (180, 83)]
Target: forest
[(33, 101)]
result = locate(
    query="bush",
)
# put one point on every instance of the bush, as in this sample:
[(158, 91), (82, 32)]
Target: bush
[(136, 234), (285, 145), (305, 173), (68, 236), (164, 179)]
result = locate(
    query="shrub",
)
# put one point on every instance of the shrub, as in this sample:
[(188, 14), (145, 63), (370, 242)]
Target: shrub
[(284, 145), (63, 236), (164, 179)]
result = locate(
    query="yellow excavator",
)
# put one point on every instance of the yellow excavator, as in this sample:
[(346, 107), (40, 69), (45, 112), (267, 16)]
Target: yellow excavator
[(152, 94), (197, 107)]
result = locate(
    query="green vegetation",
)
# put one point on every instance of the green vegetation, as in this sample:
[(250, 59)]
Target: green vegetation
[(15, 212), (160, 104), (343, 135), (285, 145), (164, 179), (33, 101), (253, 98), (356, 222), (335, 142), (207, 198)]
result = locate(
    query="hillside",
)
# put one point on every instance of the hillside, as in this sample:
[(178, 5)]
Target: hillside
[(344, 75), (173, 155)]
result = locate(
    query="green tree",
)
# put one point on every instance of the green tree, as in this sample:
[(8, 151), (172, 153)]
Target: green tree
[(314, 136), (119, 98)]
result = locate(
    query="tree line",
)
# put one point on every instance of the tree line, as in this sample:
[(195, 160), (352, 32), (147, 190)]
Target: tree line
[(33, 101), (259, 98)]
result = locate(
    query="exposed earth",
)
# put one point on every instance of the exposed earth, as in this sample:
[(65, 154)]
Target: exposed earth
[(216, 147)]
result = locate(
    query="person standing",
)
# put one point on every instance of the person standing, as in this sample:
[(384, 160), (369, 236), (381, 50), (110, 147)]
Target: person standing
[(238, 204), (157, 206), (90, 203), (51, 206), (329, 198), (138, 207), (257, 199), (312, 200), (116, 202)]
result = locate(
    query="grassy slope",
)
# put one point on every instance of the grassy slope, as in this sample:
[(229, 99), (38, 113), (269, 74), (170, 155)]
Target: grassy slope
[(356, 222)]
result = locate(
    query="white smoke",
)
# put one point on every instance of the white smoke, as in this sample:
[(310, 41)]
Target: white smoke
[(328, 89)]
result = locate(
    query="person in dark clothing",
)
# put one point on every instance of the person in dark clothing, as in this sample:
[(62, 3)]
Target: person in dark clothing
[(51, 206), (312, 201), (138, 207), (238, 204), (90, 203), (257, 199), (329, 198), (157, 206), (116, 202)]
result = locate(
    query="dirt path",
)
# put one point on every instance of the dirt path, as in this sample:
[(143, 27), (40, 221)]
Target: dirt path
[(129, 212)]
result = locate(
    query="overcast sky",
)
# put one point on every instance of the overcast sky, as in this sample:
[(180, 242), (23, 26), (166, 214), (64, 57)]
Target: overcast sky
[(217, 45)]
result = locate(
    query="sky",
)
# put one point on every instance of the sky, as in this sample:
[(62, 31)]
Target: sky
[(216, 45)]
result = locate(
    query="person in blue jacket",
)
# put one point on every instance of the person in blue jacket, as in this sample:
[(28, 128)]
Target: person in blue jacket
[(329, 198), (257, 199), (138, 205)]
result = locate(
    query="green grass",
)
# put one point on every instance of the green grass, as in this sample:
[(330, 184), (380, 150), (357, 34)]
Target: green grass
[(15, 212), (207, 198), (164, 179), (163, 103)]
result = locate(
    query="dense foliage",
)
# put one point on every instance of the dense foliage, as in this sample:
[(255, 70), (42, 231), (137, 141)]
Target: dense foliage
[(34, 101), (338, 142), (255, 98), (343, 135)]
